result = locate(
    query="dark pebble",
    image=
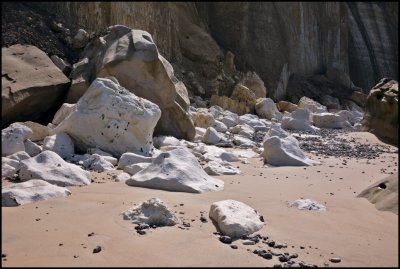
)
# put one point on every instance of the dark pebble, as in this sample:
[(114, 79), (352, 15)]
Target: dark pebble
[(91, 234), (267, 256), (271, 244), (335, 259), (234, 246), (141, 232), (283, 258), (203, 219), (225, 239), (97, 249), (293, 256), (142, 226), (3, 255)]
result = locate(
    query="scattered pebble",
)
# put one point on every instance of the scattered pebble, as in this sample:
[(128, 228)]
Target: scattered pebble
[(225, 239), (234, 246), (335, 259), (97, 249)]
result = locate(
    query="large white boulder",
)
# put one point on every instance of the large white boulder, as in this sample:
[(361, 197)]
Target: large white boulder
[(9, 167), (176, 170), (297, 120), (235, 218), (219, 126), (327, 120), (31, 191), (214, 168), (113, 119), (243, 142), (213, 153), (266, 108), (129, 158), (61, 144), (284, 152), (229, 118), (39, 131), (151, 212), (19, 156), (13, 138), (311, 105), (49, 166)]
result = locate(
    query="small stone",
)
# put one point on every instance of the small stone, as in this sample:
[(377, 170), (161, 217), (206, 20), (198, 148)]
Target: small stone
[(203, 219), (234, 246), (3, 255), (248, 242), (97, 249), (271, 244), (267, 256), (293, 256), (76, 256), (283, 258), (335, 259), (141, 232), (91, 234), (225, 239)]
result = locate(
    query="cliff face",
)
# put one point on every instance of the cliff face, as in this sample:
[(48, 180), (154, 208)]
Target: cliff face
[(348, 42)]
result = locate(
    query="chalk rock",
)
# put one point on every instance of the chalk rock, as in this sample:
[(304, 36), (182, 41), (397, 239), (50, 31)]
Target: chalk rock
[(243, 142), (122, 177), (31, 191), (351, 116), (283, 106), (98, 151), (266, 108), (243, 130), (9, 167), (298, 120), (161, 141), (213, 153), (39, 131), (152, 212), (219, 126), (252, 81), (134, 168), (235, 218), (199, 133), (229, 118), (112, 118), (97, 163), (311, 105), (50, 167), (202, 118), (19, 156), (307, 204), (13, 138), (251, 120), (214, 168), (32, 148), (176, 170), (284, 152), (60, 143), (232, 105), (63, 112), (212, 137), (129, 158), (327, 120)]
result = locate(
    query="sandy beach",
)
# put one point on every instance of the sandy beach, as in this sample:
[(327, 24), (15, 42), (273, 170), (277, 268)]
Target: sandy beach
[(55, 232)]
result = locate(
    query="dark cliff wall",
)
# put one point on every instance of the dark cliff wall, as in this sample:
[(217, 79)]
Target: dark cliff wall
[(348, 42)]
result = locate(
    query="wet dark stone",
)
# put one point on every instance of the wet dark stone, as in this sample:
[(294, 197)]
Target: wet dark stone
[(234, 246), (335, 259), (97, 249), (225, 239), (267, 256)]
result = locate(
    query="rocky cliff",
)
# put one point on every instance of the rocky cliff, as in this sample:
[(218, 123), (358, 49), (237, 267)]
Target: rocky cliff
[(350, 43)]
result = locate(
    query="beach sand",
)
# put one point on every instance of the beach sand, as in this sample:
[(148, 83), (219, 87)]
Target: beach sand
[(351, 228)]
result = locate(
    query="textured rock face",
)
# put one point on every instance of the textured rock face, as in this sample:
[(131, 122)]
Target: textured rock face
[(31, 84), (266, 108), (356, 40), (61, 144), (382, 111), (235, 218), (50, 167), (152, 212), (31, 191), (113, 119), (176, 170), (133, 59)]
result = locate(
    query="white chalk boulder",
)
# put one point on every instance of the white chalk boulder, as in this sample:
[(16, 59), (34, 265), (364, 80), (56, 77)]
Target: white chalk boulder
[(176, 170), (32, 148), (110, 117), (328, 120), (307, 204), (151, 212), (284, 152), (31, 191), (162, 141), (235, 219), (97, 163), (266, 108), (134, 168), (214, 168), (129, 158), (212, 137), (13, 138), (50, 167), (311, 105), (61, 144), (63, 113), (298, 120)]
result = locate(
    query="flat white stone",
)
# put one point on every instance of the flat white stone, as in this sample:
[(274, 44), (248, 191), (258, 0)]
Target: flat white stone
[(214, 168), (61, 144), (13, 138), (307, 204), (129, 158), (134, 168)]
